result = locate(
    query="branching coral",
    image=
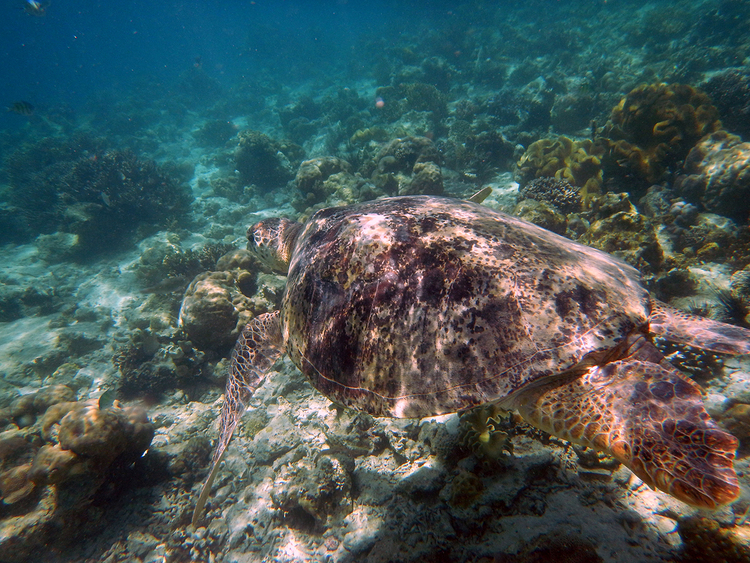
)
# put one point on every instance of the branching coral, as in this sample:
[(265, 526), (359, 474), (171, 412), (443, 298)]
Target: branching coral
[(101, 197), (559, 193), (654, 127)]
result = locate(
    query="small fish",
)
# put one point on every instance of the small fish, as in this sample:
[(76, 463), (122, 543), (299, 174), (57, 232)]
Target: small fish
[(21, 108), (106, 200), (35, 8), (481, 195), (108, 399)]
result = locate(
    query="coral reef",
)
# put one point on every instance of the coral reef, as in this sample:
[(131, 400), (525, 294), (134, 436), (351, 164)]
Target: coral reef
[(703, 236), (427, 180), (189, 263), (25, 409), (543, 214), (412, 96), (264, 162), (48, 490), (706, 541), (577, 162), (312, 182), (215, 133), (730, 93), (96, 437), (617, 228), (214, 310), (717, 176), (216, 305), (103, 198), (653, 128), (557, 192), (478, 156), (407, 166), (73, 446)]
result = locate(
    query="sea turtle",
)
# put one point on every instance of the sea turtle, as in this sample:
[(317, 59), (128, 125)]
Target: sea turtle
[(417, 306)]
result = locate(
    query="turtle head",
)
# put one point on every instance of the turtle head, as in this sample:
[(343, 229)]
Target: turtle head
[(272, 241)]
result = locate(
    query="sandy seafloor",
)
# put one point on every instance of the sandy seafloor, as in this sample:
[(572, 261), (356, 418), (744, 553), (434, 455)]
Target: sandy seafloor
[(304, 480)]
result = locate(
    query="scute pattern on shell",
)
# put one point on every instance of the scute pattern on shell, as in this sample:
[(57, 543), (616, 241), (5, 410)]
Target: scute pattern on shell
[(414, 306)]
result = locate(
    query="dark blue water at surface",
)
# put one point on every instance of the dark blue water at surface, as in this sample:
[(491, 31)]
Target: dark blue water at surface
[(81, 47)]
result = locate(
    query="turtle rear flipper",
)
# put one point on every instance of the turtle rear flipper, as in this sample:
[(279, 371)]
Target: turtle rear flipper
[(256, 350), (649, 417), (678, 326)]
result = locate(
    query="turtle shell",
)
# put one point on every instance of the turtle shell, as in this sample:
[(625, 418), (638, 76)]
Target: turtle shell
[(417, 306)]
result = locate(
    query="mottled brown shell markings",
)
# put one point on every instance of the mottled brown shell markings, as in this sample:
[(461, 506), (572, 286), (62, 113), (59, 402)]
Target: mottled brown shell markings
[(399, 307), (417, 306)]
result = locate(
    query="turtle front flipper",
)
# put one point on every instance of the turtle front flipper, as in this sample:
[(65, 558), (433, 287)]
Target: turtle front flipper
[(649, 417), (678, 326), (256, 350)]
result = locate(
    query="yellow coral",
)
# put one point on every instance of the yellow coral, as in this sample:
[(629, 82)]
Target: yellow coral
[(578, 162), (655, 126), (363, 136), (483, 434)]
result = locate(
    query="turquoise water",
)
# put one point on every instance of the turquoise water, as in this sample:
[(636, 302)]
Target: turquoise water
[(141, 141)]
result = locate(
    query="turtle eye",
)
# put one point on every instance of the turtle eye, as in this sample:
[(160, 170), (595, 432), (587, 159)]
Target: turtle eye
[(258, 237), (257, 240)]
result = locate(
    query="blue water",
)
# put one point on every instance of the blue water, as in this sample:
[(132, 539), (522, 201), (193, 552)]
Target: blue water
[(132, 175), (81, 47)]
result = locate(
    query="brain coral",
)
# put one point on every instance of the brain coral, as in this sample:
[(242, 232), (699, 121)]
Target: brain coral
[(718, 176), (105, 434), (214, 309), (654, 127)]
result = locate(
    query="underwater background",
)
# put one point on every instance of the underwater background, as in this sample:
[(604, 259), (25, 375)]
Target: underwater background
[(143, 138)]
